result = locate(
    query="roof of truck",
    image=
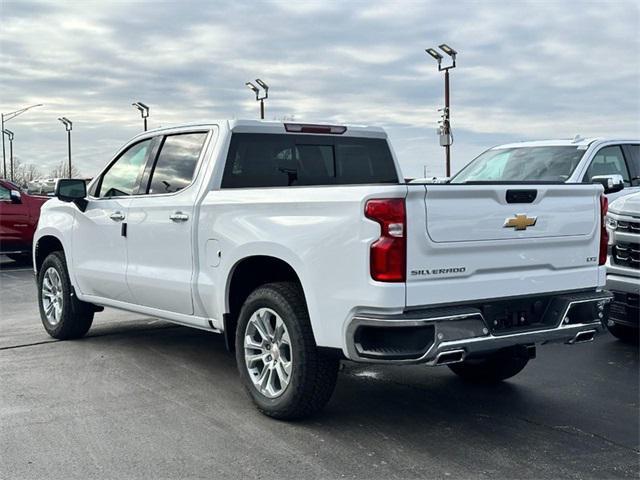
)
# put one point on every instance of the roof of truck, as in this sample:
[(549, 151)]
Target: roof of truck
[(269, 126), (569, 142)]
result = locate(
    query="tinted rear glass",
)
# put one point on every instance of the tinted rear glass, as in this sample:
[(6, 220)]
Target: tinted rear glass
[(280, 160)]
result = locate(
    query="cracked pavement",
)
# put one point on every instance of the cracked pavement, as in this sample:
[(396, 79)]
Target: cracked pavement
[(141, 398)]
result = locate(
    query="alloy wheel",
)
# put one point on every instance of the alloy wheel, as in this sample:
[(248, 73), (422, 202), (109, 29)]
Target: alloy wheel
[(267, 352)]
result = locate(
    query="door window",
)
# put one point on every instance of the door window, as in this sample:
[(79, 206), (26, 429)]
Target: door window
[(176, 162), (122, 176), (608, 161), (5, 194)]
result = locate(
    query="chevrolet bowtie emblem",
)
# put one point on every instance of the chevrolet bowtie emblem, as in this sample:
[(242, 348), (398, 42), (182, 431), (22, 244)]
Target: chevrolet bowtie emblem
[(520, 222)]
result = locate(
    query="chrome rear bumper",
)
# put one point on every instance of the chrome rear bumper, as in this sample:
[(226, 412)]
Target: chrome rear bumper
[(450, 335)]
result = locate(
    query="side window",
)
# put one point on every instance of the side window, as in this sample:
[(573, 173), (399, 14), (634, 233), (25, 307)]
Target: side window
[(5, 194), (122, 176), (632, 153), (608, 161), (176, 162)]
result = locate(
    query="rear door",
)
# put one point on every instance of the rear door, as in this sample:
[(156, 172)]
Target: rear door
[(469, 242), (160, 226)]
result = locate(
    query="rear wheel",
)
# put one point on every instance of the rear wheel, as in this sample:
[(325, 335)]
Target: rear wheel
[(62, 314), (625, 333), (493, 368), (280, 365)]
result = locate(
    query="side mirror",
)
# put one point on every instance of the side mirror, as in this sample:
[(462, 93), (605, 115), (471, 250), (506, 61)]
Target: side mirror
[(72, 190), (611, 183), (16, 197)]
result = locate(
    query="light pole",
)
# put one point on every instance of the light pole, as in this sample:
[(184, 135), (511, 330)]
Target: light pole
[(144, 111), (259, 98), (445, 127), (5, 118), (68, 125), (9, 134)]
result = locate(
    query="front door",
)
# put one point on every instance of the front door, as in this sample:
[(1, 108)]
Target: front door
[(161, 225), (99, 246)]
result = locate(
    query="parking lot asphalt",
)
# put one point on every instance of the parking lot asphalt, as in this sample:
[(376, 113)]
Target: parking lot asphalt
[(142, 398)]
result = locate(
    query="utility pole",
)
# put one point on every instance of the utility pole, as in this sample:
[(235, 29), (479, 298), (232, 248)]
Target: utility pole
[(5, 117), (444, 131), (9, 134), (68, 125)]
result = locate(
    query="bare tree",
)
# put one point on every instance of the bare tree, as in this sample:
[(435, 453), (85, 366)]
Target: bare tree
[(62, 171), (23, 173)]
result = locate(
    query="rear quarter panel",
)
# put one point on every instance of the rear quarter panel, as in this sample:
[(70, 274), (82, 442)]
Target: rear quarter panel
[(321, 232)]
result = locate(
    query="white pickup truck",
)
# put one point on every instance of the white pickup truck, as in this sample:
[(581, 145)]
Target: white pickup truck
[(303, 246)]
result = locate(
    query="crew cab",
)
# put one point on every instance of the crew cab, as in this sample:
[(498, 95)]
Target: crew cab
[(578, 160), (19, 214), (623, 267), (302, 245)]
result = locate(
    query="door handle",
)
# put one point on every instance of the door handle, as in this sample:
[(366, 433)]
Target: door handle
[(117, 216), (179, 217)]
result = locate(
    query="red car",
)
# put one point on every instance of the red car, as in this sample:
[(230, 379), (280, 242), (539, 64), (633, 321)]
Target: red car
[(19, 213)]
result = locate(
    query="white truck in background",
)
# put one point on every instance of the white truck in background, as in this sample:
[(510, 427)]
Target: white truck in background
[(623, 267), (577, 160), (302, 246)]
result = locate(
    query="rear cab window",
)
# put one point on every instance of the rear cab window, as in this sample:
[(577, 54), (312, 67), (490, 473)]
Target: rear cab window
[(286, 160)]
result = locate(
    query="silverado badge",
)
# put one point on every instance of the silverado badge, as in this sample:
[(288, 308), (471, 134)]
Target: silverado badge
[(520, 222)]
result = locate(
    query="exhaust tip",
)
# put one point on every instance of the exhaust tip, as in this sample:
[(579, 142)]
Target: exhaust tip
[(583, 337), (452, 356)]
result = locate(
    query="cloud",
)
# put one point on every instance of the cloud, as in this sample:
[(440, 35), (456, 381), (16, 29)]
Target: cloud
[(526, 70)]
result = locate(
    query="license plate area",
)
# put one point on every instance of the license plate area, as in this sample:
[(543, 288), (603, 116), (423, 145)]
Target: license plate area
[(516, 315)]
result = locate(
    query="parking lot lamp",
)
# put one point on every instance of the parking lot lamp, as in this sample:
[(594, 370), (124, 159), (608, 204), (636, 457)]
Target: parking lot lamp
[(445, 124), (259, 97), (5, 118), (144, 111), (68, 125), (9, 134)]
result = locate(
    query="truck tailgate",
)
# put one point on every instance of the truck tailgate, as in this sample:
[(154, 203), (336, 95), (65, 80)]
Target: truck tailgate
[(470, 242)]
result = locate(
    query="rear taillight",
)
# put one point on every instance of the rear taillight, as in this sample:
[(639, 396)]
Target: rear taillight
[(389, 252), (604, 235)]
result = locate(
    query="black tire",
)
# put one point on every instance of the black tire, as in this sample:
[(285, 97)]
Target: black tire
[(76, 317), (625, 333), (493, 368), (313, 374)]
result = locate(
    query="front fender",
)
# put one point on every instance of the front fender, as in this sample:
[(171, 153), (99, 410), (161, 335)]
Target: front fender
[(57, 220)]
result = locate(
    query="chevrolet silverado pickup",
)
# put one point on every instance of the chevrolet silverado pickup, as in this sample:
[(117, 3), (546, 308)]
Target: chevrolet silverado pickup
[(302, 245)]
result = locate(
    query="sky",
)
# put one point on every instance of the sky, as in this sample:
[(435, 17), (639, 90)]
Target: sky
[(525, 70)]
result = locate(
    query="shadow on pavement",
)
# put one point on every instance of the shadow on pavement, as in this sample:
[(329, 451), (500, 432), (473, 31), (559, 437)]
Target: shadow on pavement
[(21, 262)]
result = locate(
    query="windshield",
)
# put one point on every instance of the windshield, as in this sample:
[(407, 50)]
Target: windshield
[(522, 164)]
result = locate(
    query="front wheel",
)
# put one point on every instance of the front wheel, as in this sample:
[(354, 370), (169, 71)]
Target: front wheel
[(493, 368), (280, 365), (62, 314)]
